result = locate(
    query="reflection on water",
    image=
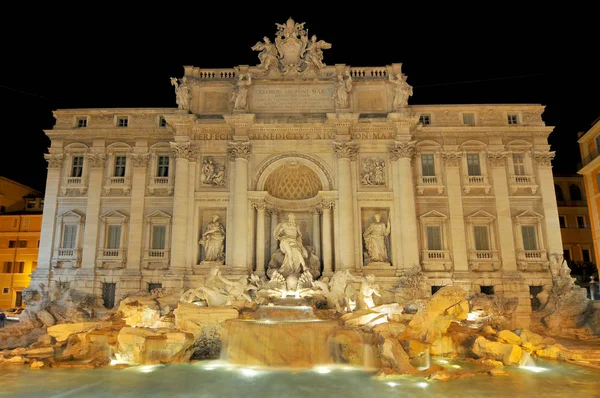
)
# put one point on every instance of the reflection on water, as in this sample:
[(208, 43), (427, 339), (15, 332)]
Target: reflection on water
[(217, 379)]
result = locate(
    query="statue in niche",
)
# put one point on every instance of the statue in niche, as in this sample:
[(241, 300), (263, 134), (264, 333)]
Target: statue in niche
[(373, 172), (213, 240), (343, 86), (402, 90), (374, 237), (212, 173), (239, 95), (183, 94), (268, 54)]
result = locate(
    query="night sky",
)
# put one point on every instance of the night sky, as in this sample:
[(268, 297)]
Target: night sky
[(108, 57)]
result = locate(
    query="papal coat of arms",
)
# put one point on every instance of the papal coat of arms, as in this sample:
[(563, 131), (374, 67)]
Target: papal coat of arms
[(293, 52)]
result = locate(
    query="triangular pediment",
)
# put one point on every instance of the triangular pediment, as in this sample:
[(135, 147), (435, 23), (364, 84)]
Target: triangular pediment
[(481, 215), (433, 214), (114, 214), (529, 214), (72, 214), (158, 214)]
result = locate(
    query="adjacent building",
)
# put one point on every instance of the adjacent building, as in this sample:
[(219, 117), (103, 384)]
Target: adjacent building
[(20, 226), (589, 147), (467, 190)]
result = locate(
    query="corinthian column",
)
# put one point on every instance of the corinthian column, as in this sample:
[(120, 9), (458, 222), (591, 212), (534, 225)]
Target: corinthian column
[(181, 153), (327, 246), (503, 216), (345, 152), (402, 153), (273, 211), (316, 229), (240, 152), (260, 236), (543, 161)]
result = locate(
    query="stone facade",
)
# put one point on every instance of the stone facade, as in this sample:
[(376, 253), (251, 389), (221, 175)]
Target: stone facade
[(467, 190)]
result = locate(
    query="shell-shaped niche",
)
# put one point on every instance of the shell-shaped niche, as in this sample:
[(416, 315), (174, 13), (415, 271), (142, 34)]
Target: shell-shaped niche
[(293, 181)]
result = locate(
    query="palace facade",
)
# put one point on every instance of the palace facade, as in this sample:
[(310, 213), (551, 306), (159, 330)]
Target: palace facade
[(466, 191)]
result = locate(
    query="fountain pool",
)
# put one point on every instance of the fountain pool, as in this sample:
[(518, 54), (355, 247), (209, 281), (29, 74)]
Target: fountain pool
[(218, 379)]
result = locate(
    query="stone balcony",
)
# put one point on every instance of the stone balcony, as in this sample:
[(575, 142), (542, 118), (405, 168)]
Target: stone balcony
[(157, 184), (77, 184), (111, 258), (117, 184), (532, 260), (156, 259), (430, 183), (522, 182), (67, 255), (436, 260), (484, 260), (480, 183)]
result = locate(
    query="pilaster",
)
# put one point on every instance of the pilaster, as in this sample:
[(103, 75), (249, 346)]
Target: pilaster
[(345, 152), (96, 161), (139, 162), (543, 161), (181, 152), (240, 152), (260, 208), (452, 161), (327, 206)]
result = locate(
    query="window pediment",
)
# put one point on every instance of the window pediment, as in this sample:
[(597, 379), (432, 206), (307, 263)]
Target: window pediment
[(72, 216), (480, 216), (114, 216), (433, 215), (528, 216), (158, 215)]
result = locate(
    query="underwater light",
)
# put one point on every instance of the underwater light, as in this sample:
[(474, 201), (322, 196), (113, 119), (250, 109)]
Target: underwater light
[(148, 368), (322, 370), (535, 369), (423, 384), (249, 372), (392, 384)]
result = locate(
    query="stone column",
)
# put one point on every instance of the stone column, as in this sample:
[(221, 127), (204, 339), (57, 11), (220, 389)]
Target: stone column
[(274, 221), (240, 151), (95, 162), (402, 152), (503, 215), (327, 242), (396, 256), (316, 230), (546, 183), (181, 153), (47, 238), (260, 208), (346, 151), (135, 247), (192, 220), (452, 161)]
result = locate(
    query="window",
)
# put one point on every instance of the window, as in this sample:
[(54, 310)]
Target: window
[(113, 240), (81, 122), (533, 293), (434, 238), (163, 166), (473, 165), (159, 233), (5, 290), (427, 165), (162, 122), (152, 286), (77, 166), (69, 236), (12, 243), (575, 192), (7, 267), (108, 294), (513, 119), (585, 255), (559, 193), (26, 223), (480, 233), (468, 118), (567, 254), (122, 121), (529, 238), (31, 203), (19, 267), (425, 119), (120, 163), (562, 221), (21, 243), (38, 245), (580, 222), (2, 209), (519, 163), (489, 290)]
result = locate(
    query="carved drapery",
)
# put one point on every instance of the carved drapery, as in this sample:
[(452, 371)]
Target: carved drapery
[(239, 149), (452, 159), (498, 158), (96, 159), (345, 149), (544, 159), (55, 160), (139, 159), (404, 149), (181, 150)]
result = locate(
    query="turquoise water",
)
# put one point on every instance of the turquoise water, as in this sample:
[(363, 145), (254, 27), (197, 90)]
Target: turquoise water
[(206, 379)]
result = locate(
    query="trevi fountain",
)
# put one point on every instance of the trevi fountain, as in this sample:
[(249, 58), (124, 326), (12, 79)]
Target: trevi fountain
[(303, 304)]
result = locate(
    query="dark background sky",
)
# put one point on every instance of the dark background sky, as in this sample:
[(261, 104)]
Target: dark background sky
[(104, 55)]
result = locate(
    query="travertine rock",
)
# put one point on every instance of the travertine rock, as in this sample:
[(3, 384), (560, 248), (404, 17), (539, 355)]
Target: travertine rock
[(62, 331), (509, 354), (147, 346), (509, 337), (395, 358), (46, 318), (140, 311)]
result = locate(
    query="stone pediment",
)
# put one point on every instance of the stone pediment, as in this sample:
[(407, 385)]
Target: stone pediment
[(433, 214), (74, 214), (528, 214), (480, 215), (158, 214), (114, 215)]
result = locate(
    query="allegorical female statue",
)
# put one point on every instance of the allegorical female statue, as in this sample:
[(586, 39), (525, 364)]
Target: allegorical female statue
[(213, 240), (374, 237)]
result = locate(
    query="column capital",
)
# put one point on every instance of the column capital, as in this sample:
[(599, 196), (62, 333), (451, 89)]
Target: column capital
[(402, 149), (139, 159), (195, 152), (316, 209), (543, 159), (273, 210), (239, 149), (345, 149), (498, 159), (181, 150), (55, 160), (96, 159), (259, 205), (327, 205), (452, 159)]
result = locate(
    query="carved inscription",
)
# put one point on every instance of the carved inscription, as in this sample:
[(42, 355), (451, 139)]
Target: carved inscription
[(287, 98)]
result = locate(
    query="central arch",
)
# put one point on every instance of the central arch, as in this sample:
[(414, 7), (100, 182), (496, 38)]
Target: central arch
[(303, 161)]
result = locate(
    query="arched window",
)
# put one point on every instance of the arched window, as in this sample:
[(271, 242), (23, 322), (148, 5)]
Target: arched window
[(575, 192), (559, 194)]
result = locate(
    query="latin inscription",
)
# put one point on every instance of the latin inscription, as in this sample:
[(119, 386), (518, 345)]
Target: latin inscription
[(296, 99)]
